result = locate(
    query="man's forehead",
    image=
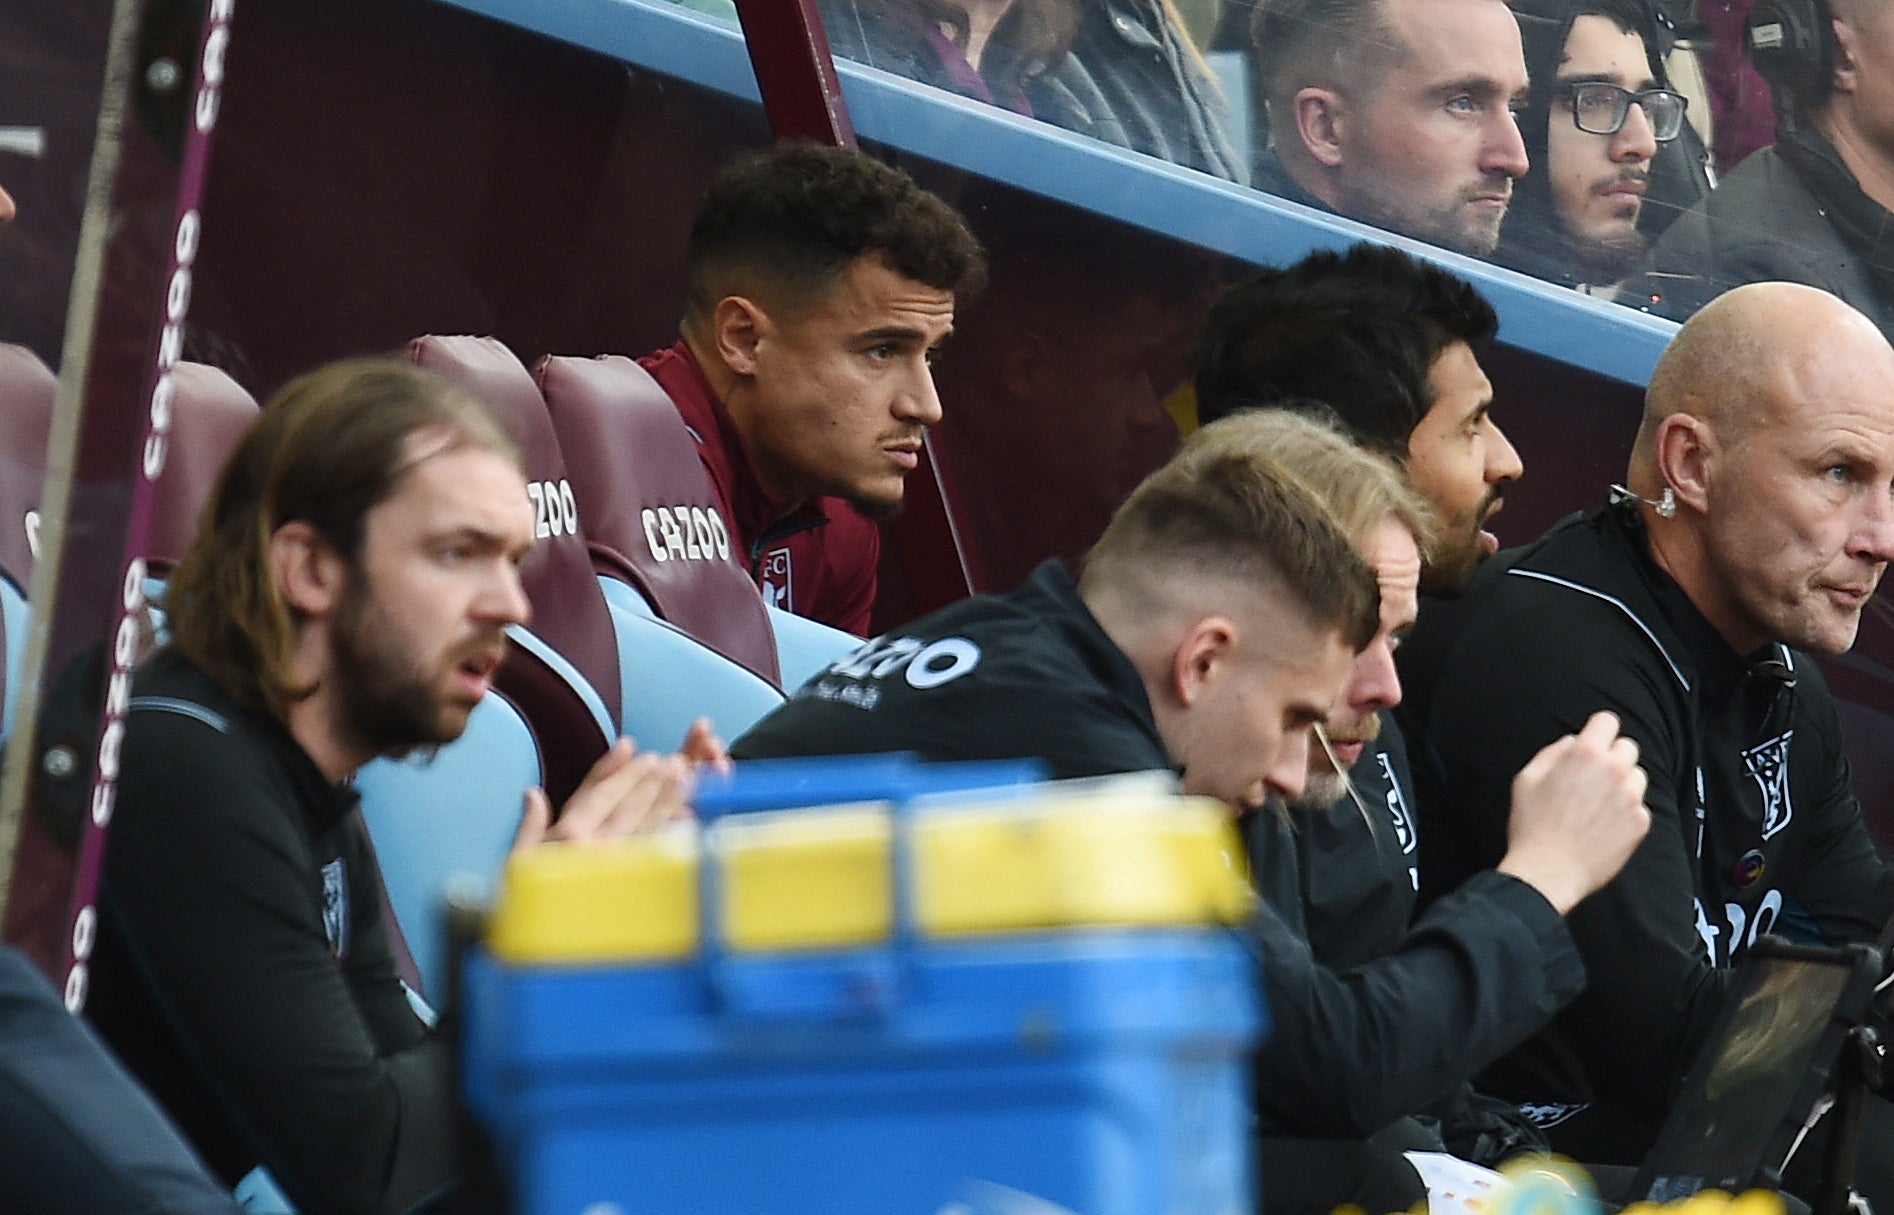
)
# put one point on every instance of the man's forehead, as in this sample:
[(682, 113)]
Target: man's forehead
[(1598, 48), (1457, 40), (1458, 382), (461, 486)]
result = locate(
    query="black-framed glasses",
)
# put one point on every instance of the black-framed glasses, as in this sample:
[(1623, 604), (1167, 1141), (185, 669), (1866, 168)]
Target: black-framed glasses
[(1600, 109)]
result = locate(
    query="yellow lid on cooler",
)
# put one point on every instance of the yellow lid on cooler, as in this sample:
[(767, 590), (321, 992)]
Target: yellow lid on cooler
[(822, 878)]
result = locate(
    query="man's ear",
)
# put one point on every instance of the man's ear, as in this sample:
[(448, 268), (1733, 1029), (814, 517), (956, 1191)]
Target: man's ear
[(1322, 124), (737, 328), (1202, 657), (1844, 79), (310, 573), (1686, 447)]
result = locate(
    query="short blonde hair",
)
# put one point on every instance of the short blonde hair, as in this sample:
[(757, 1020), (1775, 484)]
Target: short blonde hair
[(1232, 510), (1359, 486)]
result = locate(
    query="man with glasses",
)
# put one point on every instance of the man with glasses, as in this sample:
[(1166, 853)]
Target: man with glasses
[(1598, 110), (1814, 208)]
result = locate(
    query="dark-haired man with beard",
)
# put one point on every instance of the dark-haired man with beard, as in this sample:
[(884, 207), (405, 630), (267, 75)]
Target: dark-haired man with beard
[(819, 283), (347, 597)]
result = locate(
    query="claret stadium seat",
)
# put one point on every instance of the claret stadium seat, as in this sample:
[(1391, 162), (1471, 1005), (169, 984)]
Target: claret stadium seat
[(562, 671), (651, 516), (659, 541), (27, 388), (693, 638), (448, 818)]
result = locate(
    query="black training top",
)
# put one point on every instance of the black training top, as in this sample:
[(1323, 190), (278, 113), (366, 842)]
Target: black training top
[(1030, 674), (1752, 818), (1346, 876), (1033, 674), (243, 971)]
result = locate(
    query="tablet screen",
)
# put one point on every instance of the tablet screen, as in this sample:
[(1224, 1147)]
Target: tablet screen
[(1730, 1112)]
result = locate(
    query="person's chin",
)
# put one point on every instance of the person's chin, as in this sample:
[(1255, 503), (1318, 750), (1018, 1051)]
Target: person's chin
[(878, 505)]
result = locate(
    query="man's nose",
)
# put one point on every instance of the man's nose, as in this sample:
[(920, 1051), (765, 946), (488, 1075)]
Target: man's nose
[(1504, 150), (503, 600), (1636, 140), (920, 401), (1502, 459), (1874, 533), (1286, 777), (1376, 685)]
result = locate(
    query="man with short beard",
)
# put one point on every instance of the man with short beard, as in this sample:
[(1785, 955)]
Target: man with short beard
[(1599, 108), (347, 597), (818, 285), (1394, 112), (1388, 345)]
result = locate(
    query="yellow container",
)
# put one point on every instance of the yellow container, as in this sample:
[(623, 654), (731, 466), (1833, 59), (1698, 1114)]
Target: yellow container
[(822, 878), (806, 879), (623, 901)]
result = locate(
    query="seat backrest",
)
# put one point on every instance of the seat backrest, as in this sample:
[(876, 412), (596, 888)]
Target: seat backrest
[(650, 512), (27, 389), (807, 647), (210, 414), (448, 819), (676, 679), (569, 613)]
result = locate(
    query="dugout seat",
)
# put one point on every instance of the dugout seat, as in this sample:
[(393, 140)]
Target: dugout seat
[(652, 517), (562, 671), (210, 415)]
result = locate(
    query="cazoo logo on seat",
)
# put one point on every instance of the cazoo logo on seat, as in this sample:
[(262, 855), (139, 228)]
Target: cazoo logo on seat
[(686, 533), (555, 511)]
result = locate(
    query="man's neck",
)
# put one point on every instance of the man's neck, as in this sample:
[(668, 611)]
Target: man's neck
[(311, 722), (724, 388), (1679, 552), (1871, 168)]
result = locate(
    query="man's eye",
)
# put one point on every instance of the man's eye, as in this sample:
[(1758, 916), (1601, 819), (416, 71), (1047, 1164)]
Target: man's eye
[(1840, 474), (1463, 104)]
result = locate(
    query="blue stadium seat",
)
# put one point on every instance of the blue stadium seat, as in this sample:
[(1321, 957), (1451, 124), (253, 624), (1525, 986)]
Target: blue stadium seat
[(805, 647), (444, 821), (671, 679)]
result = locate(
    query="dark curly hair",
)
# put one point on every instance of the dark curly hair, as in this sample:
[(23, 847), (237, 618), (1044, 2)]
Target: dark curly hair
[(786, 222), (1358, 331)]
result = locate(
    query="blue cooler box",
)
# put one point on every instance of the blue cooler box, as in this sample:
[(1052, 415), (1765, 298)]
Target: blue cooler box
[(940, 1065)]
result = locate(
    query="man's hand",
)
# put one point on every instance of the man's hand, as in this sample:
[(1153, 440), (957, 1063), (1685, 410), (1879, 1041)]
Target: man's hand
[(704, 749), (1578, 813)]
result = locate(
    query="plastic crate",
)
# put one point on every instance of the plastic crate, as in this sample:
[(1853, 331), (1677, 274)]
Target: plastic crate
[(1049, 1050)]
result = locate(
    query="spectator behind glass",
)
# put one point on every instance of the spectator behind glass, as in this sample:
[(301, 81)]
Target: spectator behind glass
[(985, 49), (1135, 79), (1742, 116), (1575, 218), (1815, 208), (1395, 112), (1121, 71)]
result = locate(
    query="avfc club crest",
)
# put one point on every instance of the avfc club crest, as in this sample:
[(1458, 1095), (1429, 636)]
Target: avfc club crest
[(1402, 818), (335, 906), (1768, 763), (777, 590)]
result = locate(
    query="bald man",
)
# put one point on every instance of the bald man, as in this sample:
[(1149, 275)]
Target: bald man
[(1756, 524)]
